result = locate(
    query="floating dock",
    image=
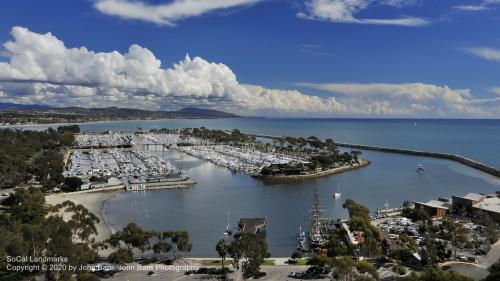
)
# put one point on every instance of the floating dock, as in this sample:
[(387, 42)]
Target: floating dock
[(251, 225)]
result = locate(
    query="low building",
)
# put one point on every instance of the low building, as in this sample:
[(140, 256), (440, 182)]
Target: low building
[(473, 203), (463, 204), (436, 209), (489, 205), (111, 182)]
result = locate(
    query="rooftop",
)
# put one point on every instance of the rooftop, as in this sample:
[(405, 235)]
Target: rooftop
[(472, 196), (436, 204), (491, 204)]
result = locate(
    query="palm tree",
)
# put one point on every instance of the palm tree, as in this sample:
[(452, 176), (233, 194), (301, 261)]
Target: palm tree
[(222, 249), (163, 246), (180, 239)]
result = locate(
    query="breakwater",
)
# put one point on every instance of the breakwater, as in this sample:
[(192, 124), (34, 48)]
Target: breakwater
[(454, 157), (494, 171)]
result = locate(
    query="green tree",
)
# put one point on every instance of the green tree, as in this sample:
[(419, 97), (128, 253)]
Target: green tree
[(72, 184), (121, 256), (222, 249), (132, 236), (363, 266), (252, 249), (180, 240), (82, 221), (297, 255), (27, 205), (343, 268), (319, 259), (163, 245)]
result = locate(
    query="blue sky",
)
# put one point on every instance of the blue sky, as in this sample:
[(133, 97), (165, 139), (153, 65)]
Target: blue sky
[(354, 57)]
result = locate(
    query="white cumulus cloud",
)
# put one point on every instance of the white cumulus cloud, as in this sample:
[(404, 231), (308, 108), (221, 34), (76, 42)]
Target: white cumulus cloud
[(40, 68), (344, 11), (410, 98), (165, 14)]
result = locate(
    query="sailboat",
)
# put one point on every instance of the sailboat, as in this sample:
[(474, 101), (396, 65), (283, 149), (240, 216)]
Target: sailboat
[(229, 231), (337, 194)]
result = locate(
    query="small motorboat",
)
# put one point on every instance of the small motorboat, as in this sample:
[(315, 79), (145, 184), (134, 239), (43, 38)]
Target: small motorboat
[(420, 168)]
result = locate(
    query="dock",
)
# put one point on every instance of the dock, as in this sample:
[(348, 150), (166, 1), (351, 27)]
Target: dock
[(142, 185), (251, 225)]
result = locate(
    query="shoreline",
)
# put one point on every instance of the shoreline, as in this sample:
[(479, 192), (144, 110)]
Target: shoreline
[(94, 202)]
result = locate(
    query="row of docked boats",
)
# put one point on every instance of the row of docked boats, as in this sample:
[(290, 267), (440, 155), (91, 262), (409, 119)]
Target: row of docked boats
[(111, 139), (119, 163), (246, 160)]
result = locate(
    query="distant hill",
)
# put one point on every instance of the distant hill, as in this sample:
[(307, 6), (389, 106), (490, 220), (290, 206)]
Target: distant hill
[(14, 113), (8, 105), (200, 112), (188, 112)]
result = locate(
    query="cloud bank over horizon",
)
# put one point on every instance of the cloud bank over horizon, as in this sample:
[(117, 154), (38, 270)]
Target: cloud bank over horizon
[(41, 69)]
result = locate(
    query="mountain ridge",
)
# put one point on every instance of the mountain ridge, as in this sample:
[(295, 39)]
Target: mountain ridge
[(22, 113)]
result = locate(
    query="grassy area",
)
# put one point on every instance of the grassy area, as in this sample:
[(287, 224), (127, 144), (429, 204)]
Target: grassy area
[(269, 262), (301, 262), (214, 262)]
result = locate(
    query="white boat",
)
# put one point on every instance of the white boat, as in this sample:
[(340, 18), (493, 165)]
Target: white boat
[(420, 168), (337, 194), (229, 231)]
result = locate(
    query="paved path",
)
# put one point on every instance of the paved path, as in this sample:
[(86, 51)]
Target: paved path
[(480, 270)]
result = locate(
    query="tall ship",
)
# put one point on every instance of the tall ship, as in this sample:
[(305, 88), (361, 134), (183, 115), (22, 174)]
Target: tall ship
[(320, 228)]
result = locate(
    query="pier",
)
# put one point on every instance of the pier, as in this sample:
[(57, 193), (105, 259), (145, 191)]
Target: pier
[(251, 225)]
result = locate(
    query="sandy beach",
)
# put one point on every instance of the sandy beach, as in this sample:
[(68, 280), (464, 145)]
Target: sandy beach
[(93, 202)]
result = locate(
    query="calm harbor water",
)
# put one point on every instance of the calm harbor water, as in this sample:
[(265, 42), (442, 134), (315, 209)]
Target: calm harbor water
[(202, 209)]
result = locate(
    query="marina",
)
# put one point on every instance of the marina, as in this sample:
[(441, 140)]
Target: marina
[(248, 161), (258, 159), (133, 168)]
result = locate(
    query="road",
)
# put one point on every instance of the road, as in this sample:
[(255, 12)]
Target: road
[(273, 272), (480, 270)]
